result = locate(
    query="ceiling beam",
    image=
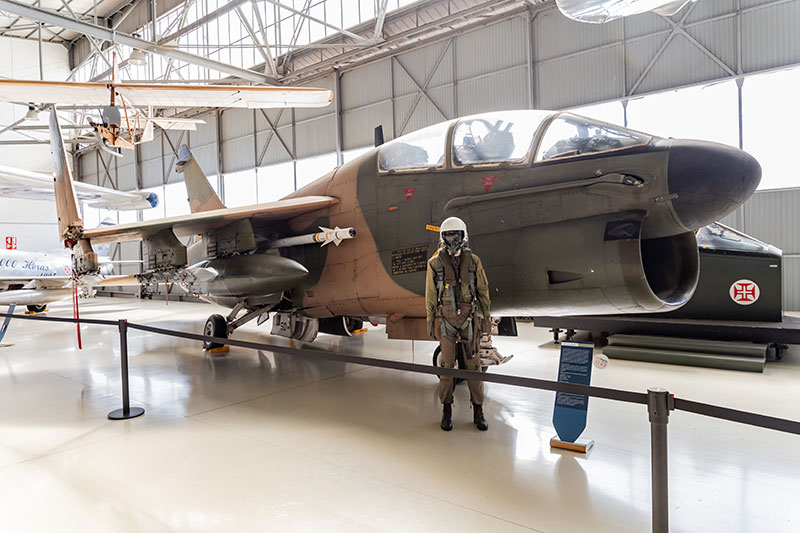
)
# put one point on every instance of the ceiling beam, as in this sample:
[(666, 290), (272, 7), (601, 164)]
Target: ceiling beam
[(56, 19)]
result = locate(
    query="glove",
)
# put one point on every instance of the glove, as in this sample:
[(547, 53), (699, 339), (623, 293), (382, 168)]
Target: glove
[(432, 329)]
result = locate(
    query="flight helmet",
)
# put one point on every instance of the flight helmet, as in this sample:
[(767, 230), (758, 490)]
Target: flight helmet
[(453, 235)]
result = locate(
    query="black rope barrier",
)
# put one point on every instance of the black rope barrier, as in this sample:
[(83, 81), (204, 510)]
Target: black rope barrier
[(95, 321), (742, 417), (723, 413)]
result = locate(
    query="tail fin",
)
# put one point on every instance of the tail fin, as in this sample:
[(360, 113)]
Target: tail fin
[(201, 196), (70, 225)]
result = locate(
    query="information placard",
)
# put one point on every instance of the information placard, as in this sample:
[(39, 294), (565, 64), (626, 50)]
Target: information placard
[(410, 260), (569, 413)]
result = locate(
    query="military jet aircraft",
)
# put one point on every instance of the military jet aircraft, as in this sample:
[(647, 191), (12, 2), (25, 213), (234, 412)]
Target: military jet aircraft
[(569, 215), (35, 279)]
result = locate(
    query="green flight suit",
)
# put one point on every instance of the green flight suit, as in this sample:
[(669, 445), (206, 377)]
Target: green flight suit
[(454, 322)]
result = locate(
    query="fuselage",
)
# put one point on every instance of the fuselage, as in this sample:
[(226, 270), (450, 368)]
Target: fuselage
[(579, 217), (21, 265)]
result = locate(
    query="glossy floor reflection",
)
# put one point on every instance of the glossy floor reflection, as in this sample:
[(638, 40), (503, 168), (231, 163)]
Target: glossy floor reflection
[(257, 441)]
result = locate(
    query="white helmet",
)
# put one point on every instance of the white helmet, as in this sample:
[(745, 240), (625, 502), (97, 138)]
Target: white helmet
[(453, 224)]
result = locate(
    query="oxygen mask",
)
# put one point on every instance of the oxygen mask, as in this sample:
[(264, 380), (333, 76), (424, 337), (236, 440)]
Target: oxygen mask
[(453, 241)]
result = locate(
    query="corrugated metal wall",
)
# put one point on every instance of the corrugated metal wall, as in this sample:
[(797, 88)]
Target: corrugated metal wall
[(538, 59), (577, 64), (774, 218)]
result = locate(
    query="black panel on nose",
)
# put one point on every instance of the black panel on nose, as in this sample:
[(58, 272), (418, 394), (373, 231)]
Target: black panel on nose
[(709, 179)]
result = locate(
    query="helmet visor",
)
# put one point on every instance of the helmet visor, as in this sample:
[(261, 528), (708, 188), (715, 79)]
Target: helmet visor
[(452, 238)]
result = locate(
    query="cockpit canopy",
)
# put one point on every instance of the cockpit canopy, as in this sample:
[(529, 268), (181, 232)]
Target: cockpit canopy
[(504, 137), (570, 135)]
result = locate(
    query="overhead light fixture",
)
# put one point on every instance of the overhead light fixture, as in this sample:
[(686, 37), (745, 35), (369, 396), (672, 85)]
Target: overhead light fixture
[(32, 114), (138, 58)]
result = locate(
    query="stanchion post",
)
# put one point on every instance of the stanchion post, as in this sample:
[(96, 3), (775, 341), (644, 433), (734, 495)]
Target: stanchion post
[(659, 404), (127, 411)]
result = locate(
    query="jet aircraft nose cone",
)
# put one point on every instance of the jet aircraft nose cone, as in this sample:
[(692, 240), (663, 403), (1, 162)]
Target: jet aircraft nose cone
[(709, 179)]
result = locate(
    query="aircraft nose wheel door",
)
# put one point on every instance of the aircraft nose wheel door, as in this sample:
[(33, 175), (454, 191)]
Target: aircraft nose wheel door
[(216, 326)]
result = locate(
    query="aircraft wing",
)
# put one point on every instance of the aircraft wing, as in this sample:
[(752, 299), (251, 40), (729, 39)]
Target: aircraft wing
[(195, 223), (244, 96), (177, 123), (19, 183)]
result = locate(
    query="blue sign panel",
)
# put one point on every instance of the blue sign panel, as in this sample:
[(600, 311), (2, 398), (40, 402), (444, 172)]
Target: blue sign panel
[(569, 413)]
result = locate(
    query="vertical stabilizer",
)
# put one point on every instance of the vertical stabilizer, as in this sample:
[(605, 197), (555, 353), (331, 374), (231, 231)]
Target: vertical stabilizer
[(70, 225), (201, 196)]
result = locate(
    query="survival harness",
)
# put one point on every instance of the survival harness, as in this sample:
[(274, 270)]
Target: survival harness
[(448, 280)]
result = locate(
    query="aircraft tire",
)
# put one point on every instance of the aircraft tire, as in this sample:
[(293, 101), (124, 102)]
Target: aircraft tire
[(215, 327), (37, 308)]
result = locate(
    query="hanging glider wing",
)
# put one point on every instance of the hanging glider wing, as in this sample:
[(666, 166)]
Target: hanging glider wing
[(97, 94), (600, 11)]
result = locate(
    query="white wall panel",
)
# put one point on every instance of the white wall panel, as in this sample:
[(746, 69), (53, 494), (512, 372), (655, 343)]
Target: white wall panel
[(681, 63), (367, 85), (555, 35), (152, 173), (206, 157), (415, 114), (238, 154), (492, 48), (644, 24), (126, 177), (420, 65), (237, 123), (791, 283), (770, 37), (359, 125), (317, 136), (480, 95), (205, 133), (276, 151), (600, 72)]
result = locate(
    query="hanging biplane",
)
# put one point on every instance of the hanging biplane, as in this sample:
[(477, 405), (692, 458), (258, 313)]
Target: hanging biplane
[(126, 109)]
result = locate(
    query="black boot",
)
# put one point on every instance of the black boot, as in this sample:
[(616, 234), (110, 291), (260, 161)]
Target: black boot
[(477, 417), (447, 417)]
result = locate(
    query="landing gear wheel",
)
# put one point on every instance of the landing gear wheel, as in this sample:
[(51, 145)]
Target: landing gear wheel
[(37, 308), (215, 327), (437, 360)]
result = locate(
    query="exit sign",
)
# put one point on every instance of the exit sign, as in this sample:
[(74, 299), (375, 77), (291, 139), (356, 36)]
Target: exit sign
[(11, 243)]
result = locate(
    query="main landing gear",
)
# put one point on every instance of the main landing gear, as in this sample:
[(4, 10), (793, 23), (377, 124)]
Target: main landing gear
[(221, 327), (40, 308)]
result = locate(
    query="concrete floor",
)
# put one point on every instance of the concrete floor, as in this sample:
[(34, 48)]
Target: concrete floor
[(257, 441)]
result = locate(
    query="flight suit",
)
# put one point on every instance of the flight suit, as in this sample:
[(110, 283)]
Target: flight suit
[(449, 288)]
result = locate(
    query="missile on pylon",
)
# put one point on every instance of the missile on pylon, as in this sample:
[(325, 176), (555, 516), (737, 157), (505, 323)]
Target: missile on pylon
[(324, 237)]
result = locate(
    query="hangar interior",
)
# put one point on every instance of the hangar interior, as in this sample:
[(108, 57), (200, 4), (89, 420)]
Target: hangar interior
[(250, 441)]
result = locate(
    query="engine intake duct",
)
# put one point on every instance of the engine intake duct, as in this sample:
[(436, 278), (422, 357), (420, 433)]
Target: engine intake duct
[(595, 265), (728, 355)]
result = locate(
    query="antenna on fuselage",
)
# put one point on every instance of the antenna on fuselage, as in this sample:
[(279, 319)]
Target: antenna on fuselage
[(378, 136)]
